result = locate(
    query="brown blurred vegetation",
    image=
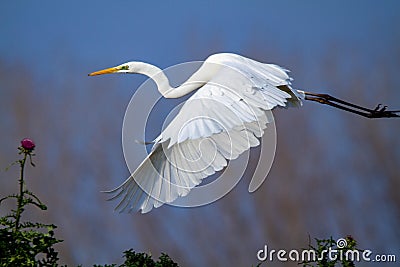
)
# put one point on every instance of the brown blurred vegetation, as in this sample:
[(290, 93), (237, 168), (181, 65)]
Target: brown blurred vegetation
[(334, 173)]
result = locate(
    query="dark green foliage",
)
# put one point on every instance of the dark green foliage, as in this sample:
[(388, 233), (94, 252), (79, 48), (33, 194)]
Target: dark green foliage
[(324, 245), (26, 243), (28, 246), (133, 259), (166, 261)]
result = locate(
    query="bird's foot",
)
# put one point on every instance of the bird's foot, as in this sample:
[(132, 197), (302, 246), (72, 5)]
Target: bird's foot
[(379, 108), (381, 111)]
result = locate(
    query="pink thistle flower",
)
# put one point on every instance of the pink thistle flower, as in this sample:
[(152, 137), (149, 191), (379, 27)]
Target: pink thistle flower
[(27, 144)]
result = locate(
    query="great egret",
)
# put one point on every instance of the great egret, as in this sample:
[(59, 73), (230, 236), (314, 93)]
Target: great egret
[(236, 92)]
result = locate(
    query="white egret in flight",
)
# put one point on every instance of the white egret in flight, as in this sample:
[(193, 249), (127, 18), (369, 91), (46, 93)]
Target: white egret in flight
[(236, 93)]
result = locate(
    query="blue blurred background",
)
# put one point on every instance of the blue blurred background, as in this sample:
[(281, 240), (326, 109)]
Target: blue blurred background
[(334, 173)]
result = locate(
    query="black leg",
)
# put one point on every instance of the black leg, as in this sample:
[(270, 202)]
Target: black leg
[(378, 112)]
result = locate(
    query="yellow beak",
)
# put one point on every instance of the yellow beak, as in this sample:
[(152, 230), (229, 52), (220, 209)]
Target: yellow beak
[(105, 71)]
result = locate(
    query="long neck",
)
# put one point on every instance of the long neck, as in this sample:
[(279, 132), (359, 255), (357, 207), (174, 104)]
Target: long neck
[(158, 76)]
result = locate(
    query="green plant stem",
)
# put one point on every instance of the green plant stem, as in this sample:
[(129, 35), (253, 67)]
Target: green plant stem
[(21, 193)]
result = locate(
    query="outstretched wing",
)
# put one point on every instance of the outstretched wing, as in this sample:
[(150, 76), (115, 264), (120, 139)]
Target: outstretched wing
[(220, 121)]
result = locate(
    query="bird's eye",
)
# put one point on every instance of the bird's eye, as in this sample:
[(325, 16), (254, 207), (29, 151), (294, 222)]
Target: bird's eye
[(126, 67)]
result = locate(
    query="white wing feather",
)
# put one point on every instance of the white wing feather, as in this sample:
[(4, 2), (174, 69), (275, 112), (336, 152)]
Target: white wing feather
[(220, 121)]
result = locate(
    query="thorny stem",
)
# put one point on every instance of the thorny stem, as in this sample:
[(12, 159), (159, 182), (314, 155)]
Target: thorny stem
[(21, 193)]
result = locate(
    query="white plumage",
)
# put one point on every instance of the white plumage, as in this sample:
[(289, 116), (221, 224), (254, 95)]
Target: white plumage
[(222, 119)]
